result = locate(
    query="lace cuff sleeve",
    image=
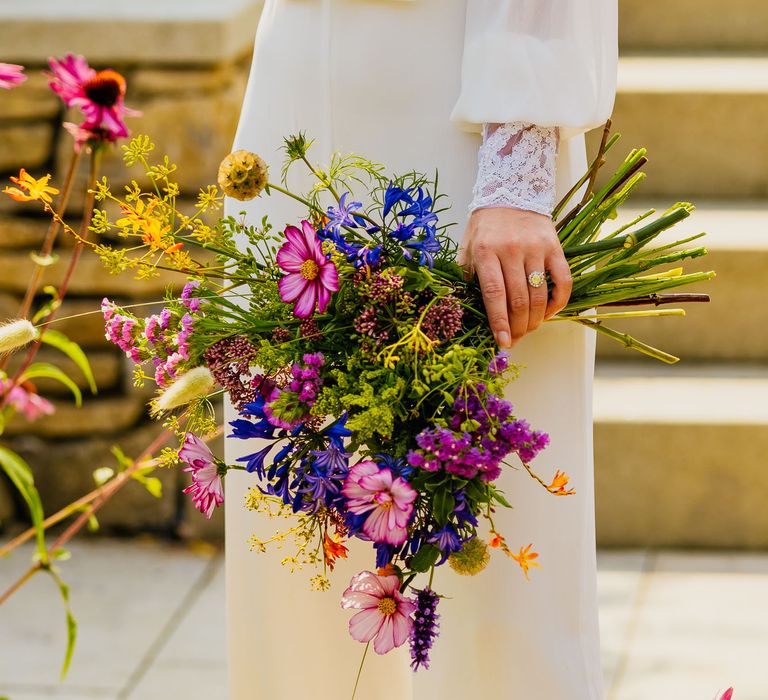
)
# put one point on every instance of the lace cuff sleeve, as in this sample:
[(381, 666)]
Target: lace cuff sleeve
[(516, 168)]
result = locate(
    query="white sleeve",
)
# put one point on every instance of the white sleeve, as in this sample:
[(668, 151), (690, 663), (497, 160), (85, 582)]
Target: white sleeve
[(546, 62)]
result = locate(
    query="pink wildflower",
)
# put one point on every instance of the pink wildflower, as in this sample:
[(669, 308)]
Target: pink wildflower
[(207, 488), (388, 501), (311, 276), (384, 616), (98, 94), (11, 75), (29, 403), (727, 695)]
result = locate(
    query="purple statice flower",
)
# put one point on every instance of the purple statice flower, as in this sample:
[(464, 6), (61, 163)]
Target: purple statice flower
[(425, 627), (481, 433), (289, 406), (165, 318), (191, 302), (499, 364)]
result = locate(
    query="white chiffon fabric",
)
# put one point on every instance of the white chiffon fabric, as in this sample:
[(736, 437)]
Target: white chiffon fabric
[(382, 78)]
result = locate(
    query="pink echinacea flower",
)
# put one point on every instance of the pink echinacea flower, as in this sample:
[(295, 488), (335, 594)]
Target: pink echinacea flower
[(11, 75), (388, 500), (207, 488), (310, 277), (98, 94), (385, 614)]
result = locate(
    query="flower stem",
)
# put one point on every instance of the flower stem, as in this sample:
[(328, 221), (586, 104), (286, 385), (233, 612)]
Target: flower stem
[(360, 671)]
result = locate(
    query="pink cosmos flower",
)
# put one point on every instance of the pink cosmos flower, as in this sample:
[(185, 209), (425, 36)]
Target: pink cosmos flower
[(311, 276), (30, 404), (11, 75), (727, 695), (98, 94), (207, 488), (388, 500), (385, 614)]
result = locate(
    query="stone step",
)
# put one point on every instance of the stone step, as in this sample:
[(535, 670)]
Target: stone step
[(91, 278), (699, 117), (680, 455), (734, 325), (100, 415), (693, 25)]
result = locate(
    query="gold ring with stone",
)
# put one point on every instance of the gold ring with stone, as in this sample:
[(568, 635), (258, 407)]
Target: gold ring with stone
[(536, 279)]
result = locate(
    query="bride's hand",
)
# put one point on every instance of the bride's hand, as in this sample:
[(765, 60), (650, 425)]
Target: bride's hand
[(503, 246)]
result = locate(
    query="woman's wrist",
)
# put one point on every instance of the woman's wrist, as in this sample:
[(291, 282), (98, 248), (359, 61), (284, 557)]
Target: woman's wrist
[(516, 168)]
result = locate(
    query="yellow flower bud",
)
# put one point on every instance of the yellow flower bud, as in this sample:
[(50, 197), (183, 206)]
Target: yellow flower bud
[(243, 175), (15, 334)]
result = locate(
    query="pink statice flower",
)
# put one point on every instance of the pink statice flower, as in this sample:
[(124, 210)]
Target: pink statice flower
[(11, 75), (207, 487), (385, 614), (29, 403), (310, 277), (98, 94), (387, 499)]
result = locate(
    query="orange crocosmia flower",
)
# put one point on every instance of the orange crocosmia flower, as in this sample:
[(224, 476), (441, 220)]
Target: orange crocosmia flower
[(526, 558), (559, 483), (388, 570), (333, 549), (29, 189)]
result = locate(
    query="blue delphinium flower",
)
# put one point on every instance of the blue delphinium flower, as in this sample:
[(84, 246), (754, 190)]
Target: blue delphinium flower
[(394, 195), (426, 247), (337, 431), (255, 461), (343, 216), (446, 540)]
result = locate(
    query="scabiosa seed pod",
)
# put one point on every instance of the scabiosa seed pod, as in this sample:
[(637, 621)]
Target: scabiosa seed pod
[(471, 559), (16, 334), (188, 387), (425, 627), (243, 175)]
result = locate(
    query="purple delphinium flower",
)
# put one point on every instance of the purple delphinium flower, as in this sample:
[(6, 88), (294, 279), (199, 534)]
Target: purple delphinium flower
[(425, 627)]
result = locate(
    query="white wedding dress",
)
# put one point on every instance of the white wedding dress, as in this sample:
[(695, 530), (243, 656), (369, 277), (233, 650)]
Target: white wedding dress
[(410, 83)]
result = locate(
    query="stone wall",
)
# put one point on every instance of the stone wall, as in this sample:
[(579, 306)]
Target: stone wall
[(187, 76)]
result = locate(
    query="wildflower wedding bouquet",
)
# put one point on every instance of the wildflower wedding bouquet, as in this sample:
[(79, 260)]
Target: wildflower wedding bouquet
[(359, 358)]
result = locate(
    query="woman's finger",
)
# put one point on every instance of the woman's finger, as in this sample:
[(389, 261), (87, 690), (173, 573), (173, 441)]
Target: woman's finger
[(518, 300), (534, 267), (494, 290), (562, 284)]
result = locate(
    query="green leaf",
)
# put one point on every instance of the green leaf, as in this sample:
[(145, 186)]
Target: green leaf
[(20, 474), (425, 558), (49, 371), (443, 504), (71, 622), (73, 351), (499, 498), (151, 483)]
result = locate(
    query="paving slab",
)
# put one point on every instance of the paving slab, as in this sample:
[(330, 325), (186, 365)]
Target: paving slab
[(192, 662), (702, 626), (620, 576), (123, 594)]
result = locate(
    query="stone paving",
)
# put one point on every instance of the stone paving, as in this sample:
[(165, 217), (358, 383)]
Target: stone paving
[(675, 625)]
